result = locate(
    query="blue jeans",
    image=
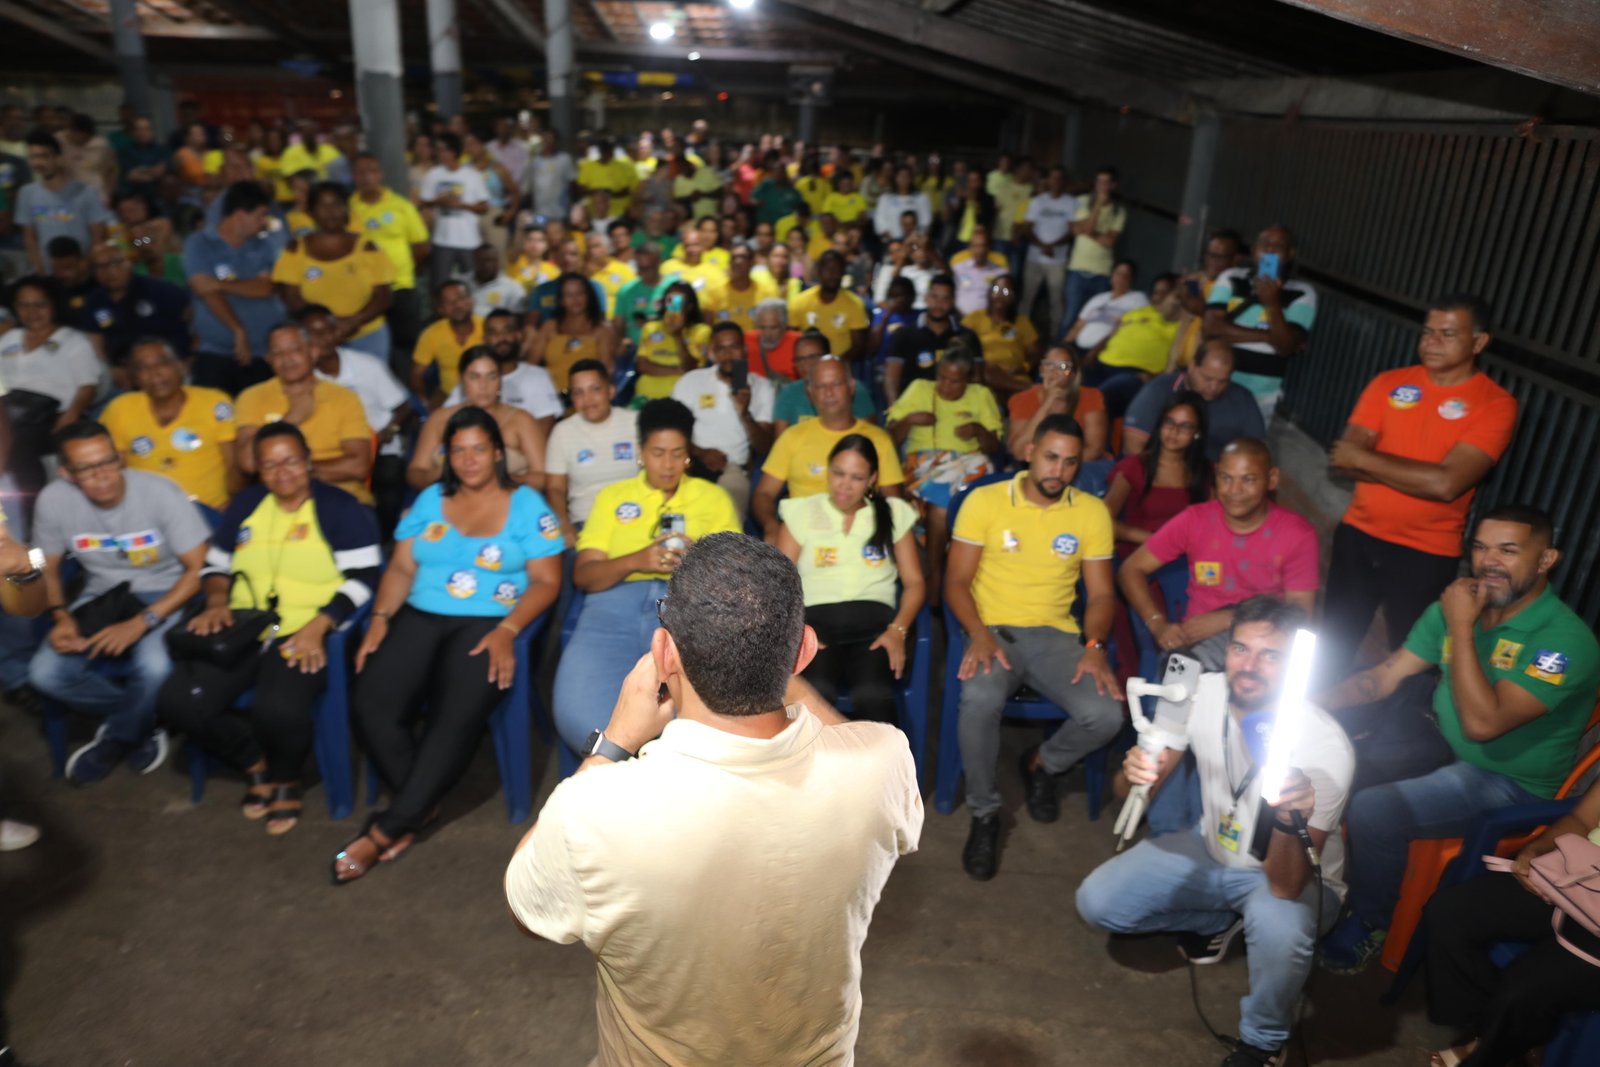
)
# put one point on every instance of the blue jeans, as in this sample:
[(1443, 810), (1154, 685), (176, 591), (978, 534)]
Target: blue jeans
[(376, 343), (89, 685), (17, 645), (1385, 819), (614, 630), (1081, 285), (1171, 883)]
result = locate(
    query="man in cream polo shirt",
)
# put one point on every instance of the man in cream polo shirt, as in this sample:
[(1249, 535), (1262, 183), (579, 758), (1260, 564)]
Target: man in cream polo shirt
[(725, 878)]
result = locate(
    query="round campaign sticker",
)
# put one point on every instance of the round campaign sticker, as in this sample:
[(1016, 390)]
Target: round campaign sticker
[(506, 593), (313, 273), (185, 440), (873, 556), (1453, 410), (1405, 397), (490, 557), (462, 585), (628, 512), (1064, 545), (142, 445), (144, 309), (102, 317), (549, 526), (222, 411)]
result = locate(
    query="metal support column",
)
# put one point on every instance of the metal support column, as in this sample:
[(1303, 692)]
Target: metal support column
[(1193, 215), (1071, 140), (444, 51), (558, 61), (375, 33), (128, 40), (808, 123)]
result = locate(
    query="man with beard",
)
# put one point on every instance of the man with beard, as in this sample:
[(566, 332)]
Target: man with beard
[(1204, 882), (915, 350), (1018, 550), (1504, 724), (522, 385)]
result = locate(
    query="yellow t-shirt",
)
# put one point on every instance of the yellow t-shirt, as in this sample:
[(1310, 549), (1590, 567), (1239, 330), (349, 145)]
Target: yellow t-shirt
[(344, 285), (285, 553), (977, 404), (814, 190), (657, 346), (533, 273), (1142, 341), (618, 175), (846, 207), (1005, 344), (718, 257), (817, 242), (835, 320), (1032, 556), (270, 169), (212, 161), (1089, 255), (781, 228), (738, 305), (437, 344), (799, 457), (627, 516), (837, 566), (612, 277), (394, 225), (966, 254), (565, 349), (188, 450), (336, 417), (707, 278), (299, 223), (297, 158)]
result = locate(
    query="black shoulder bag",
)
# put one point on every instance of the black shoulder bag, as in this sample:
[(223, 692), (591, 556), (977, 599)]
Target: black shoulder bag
[(228, 647)]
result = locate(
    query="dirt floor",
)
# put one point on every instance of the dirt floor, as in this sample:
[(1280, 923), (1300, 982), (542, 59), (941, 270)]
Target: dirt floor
[(144, 931)]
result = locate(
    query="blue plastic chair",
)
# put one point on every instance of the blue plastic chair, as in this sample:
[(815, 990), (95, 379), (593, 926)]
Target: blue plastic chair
[(330, 722), (1023, 706), (1173, 578), (510, 728)]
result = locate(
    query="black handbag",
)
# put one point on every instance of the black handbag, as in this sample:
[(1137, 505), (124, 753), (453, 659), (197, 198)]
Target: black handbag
[(228, 647), (117, 604)]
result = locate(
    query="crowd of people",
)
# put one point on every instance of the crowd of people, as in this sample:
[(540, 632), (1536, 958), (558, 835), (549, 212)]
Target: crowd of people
[(254, 393)]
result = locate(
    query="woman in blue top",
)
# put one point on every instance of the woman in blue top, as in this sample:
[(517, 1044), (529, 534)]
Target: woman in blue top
[(476, 559)]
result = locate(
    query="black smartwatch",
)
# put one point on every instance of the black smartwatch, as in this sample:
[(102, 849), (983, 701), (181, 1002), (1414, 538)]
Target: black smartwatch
[(600, 745)]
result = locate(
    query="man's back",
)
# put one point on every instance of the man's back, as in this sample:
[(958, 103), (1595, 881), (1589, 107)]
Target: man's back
[(725, 885)]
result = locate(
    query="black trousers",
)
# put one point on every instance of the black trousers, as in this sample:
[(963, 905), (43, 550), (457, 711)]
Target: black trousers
[(1516, 1009), (405, 323), (219, 371), (1397, 737), (423, 661), (198, 697), (388, 491), (1365, 573), (847, 665)]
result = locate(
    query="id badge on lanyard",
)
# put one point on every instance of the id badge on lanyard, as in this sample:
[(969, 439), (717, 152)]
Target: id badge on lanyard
[(1229, 830)]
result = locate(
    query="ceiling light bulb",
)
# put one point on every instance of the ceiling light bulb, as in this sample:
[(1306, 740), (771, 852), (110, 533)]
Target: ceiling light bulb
[(661, 31), (741, 5)]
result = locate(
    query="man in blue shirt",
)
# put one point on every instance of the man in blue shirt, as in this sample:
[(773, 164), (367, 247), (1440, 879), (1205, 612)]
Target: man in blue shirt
[(1231, 409), (123, 307), (55, 204), (230, 271)]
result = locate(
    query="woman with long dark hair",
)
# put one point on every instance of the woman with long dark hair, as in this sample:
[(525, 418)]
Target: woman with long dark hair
[(341, 271), (476, 559), (674, 342), (521, 437), (850, 545), (576, 331)]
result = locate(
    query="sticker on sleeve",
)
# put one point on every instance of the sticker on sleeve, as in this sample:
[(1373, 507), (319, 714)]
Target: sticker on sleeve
[(242, 538), (141, 445), (1548, 666), (1405, 397), (628, 512), (1504, 656), (1207, 573), (622, 450), (549, 526), (490, 557), (873, 556), (825, 556), (462, 584), (434, 532), (506, 593), (1065, 546)]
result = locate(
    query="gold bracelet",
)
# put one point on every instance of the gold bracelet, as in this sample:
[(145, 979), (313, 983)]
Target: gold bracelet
[(902, 630), (503, 625), (1155, 616)]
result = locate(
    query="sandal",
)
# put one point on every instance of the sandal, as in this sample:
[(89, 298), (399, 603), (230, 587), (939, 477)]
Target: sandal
[(283, 811), (257, 795), (347, 866), (405, 841), (1451, 1057)]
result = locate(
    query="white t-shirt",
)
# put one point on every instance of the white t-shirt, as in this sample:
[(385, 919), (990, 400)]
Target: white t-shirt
[(1101, 313), (886, 218), (58, 368), (456, 227), (592, 455), (528, 387), (725, 885), (379, 391), (1322, 753), (1051, 217), (919, 277), (500, 294), (716, 421), (552, 179)]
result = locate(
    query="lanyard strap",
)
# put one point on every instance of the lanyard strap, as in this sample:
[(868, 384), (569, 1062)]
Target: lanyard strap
[(1227, 763)]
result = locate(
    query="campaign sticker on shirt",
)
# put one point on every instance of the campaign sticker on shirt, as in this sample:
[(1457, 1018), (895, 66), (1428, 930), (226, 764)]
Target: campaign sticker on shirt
[(585, 456), (224, 272), (242, 538), (103, 318), (825, 556), (1504, 656), (1444, 651), (924, 359), (223, 411), (628, 512), (549, 526), (1548, 666), (313, 273), (506, 593), (144, 309), (490, 557), (494, 298), (1207, 573), (656, 337), (435, 531), (1405, 397), (185, 440), (873, 556), (708, 401), (1453, 410), (838, 318), (815, 469), (11, 350), (811, 318), (142, 445), (462, 584), (622, 450), (574, 343), (372, 224), (1009, 542), (1064, 546), (144, 548)]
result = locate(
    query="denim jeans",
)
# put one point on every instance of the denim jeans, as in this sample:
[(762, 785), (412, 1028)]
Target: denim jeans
[(376, 343), (1385, 819), (614, 630), (17, 645), (83, 684), (1171, 883), (1081, 285)]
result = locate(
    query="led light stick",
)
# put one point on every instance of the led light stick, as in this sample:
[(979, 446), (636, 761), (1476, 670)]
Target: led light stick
[(1166, 731), (1285, 734)]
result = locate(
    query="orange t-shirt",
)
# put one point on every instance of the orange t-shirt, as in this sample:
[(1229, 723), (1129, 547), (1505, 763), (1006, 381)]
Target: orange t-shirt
[(1415, 419), (1023, 405)]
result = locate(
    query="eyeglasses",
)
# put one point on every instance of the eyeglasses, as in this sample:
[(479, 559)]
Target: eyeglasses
[(1062, 365), (293, 463), (1181, 427), (105, 466)]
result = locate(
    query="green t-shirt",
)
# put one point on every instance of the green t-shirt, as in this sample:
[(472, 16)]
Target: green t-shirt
[(1545, 649), (637, 302)]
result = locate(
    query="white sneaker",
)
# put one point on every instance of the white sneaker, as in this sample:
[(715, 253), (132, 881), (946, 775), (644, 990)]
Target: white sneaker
[(15, 836)]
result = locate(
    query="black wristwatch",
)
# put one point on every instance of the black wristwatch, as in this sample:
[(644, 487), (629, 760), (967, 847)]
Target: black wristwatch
[(600, 745)]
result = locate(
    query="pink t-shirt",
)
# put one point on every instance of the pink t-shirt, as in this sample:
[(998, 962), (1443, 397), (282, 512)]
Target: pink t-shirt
[(1278, 557)]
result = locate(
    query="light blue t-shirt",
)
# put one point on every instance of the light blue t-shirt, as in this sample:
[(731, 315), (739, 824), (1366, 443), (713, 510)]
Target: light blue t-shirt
[(205, 252), (65, 212), (481, 576)]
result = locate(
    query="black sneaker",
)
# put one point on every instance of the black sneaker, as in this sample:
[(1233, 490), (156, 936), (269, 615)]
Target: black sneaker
[(982, 855), (1244, 1055), (1039, 786), (1201, 950)]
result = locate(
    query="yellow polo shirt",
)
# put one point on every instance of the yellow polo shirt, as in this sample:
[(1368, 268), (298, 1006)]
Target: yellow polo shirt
[(814, 190), (336, 417), (799, 457), (188, 450), (1005, 344), (738, 305), (394, 225), (835, 320), (846, 207), (437, 344), (627, 516), (344, 285), (707, 278), (612, 277), (1142, 341), (533, 273), (977, 404), (657, 346), (1032, 556)]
